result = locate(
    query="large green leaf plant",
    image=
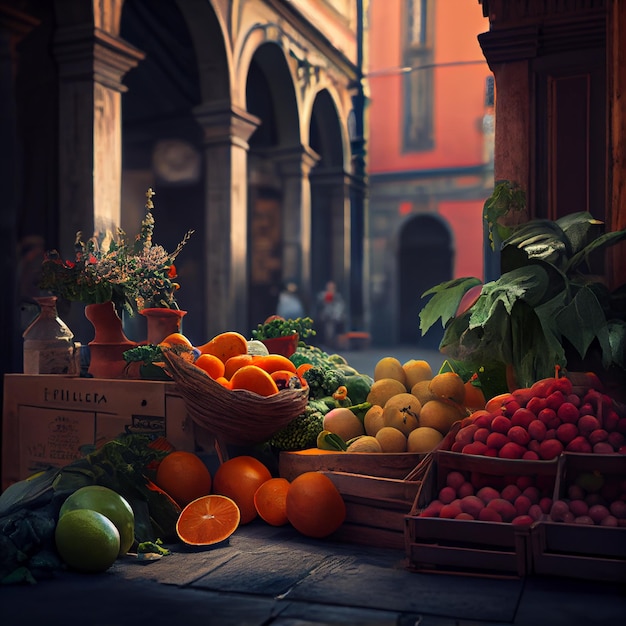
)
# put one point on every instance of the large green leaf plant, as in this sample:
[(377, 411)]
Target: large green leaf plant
[(545, 303)]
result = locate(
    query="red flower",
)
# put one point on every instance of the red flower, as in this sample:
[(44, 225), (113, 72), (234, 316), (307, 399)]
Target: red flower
[(171, 272)]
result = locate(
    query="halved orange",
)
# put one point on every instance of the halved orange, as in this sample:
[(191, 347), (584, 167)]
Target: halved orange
[(208, 520), (255, 379)]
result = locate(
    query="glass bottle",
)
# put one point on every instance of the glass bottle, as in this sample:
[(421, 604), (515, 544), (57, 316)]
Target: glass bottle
[(48, 342)]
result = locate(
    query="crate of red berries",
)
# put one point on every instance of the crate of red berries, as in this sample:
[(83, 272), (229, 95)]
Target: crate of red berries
[(473, 514), (584, 533)]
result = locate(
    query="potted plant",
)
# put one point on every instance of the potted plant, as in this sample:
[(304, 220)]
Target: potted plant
[(109, 275), (133, 275), (545, 310), (281, 336)]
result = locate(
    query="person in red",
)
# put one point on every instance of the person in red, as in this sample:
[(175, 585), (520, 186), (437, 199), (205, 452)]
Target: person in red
[(331, 313)]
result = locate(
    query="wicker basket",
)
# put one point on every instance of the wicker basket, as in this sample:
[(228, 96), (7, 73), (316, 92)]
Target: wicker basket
[(236, 416)]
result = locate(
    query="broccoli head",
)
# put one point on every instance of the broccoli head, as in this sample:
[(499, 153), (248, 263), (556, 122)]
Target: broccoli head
[(301, 432), (323, 381)]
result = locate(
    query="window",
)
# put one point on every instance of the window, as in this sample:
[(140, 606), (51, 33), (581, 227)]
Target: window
[(418, 82)]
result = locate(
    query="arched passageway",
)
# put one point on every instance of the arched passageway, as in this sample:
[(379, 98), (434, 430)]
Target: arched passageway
[(425, 259)]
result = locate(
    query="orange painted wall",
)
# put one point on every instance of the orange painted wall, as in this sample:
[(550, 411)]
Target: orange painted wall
[(459, 89), (465, 219)]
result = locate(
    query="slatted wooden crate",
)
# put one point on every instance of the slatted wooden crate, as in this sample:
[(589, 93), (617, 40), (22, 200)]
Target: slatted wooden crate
[(580, 551), (381, 465), (375, 508), (378, 489), (495, 549)]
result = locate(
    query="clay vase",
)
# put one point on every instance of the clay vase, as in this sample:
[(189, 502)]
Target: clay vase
[(162, 322), (109, 343), (286, 345)]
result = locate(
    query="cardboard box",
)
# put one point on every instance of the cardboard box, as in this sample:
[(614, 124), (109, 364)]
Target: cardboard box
[(495, 549), (51, 420)]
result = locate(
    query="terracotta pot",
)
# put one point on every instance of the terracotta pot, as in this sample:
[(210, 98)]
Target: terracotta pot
[(162, 322), (282, 345), (109, 343)]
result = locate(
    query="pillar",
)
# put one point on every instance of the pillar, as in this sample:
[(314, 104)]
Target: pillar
[(226, 130)]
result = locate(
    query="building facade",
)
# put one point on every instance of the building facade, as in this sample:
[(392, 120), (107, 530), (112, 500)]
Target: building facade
[(430, 159), (240, 114)]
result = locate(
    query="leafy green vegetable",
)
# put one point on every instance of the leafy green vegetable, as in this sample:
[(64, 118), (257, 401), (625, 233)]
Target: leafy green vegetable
[(279, 327), (30, 508), (541, 304)]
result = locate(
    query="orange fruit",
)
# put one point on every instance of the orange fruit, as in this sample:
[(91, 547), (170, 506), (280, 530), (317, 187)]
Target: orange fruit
[(177, 339), (274, 362), (270, 501), (253, 378), (285, 379), (315, 507), (225, 345), (183, 476), (211, 364), (239, 478), (235, 362), (303, 367), (208, 520), (474, 397), (222, 380)]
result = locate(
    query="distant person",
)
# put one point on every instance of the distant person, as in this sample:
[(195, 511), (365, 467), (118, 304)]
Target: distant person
[(289, 304), (331, 313)]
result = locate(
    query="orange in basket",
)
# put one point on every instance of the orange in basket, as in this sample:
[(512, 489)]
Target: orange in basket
[(253, 378), (225, 345), (274, 362)]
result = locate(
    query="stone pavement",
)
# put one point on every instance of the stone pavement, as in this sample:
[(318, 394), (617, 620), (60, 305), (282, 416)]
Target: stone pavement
[(267, 576)]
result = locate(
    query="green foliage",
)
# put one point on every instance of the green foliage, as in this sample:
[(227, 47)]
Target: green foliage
[(133, 275), (359, 386), (542, 301), (310, 354), (323, 381), (29, 508), (301, 432), (507, 197), (280, 327)]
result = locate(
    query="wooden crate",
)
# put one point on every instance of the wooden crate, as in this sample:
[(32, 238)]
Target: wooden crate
[(580, 551), (382, 465), (375, 508), (470, 546), (51, 420)]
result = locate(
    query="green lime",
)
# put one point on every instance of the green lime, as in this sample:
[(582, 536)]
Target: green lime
[(87, 540), (109, 503)]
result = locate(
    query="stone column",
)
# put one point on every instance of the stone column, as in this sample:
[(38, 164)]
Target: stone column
[(91, 64), (226, 133), (334, 185), (294, 166)]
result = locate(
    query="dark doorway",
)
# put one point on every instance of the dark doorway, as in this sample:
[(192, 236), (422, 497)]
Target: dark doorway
[(425, 259)]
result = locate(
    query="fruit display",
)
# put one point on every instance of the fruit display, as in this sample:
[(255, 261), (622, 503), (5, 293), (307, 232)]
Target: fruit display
[(487, 497), (544, 420)]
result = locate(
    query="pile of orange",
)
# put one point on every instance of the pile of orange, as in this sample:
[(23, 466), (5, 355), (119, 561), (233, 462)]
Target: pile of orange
[(226, 360), (241, 490)]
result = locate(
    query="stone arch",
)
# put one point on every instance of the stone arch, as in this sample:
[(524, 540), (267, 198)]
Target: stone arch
[(186, 69), (425, 257), (330, 243), (275, 194)]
